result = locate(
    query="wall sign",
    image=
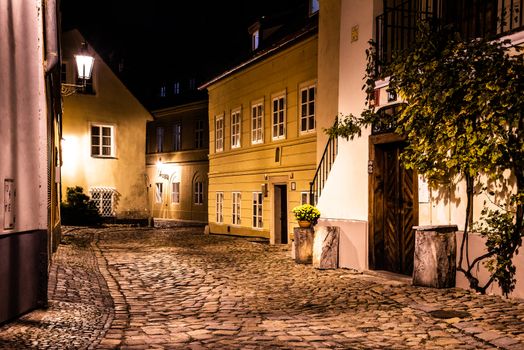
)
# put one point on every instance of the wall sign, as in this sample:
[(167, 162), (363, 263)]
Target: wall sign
[(9, 204), (423, 190)]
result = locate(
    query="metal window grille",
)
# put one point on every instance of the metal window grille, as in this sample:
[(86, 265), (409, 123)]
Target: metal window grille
[(104, 199)]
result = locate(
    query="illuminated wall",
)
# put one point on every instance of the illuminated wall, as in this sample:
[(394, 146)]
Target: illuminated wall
[(119, 168), (174, 171), (279, 168)]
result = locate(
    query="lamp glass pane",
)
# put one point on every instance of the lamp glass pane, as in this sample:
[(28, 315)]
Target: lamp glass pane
[(84, 65)]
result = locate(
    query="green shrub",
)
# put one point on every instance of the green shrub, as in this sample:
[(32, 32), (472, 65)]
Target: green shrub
[(78, 210)]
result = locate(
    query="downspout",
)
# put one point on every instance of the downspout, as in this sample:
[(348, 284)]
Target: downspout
[(51, 37)]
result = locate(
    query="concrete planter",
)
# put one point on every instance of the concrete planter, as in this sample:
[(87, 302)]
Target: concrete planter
[(435, 256), (325, 247)]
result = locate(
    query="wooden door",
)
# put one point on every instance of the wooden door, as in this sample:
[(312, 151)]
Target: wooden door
[(395, 211)]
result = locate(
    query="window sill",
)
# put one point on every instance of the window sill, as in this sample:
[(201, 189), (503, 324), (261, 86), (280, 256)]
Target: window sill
[(103, 157)]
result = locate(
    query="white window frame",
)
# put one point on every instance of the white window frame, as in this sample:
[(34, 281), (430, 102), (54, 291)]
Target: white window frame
[(236, 208), (175, 192), (257, 122), (219, 133), (220, 207), (198, 193), (236, 128), (100, 143), (104, 200), (305, 106), (257, 218), (278, 117), (159, 192)]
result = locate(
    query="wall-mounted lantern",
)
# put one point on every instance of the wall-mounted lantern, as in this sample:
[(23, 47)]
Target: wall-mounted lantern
[(84, 65)]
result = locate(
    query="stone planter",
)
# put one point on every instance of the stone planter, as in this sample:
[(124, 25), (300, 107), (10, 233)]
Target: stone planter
[(325, 247), (303, 245), (435, 256)]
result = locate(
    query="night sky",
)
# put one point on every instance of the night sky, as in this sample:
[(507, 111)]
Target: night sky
[(159, 41)]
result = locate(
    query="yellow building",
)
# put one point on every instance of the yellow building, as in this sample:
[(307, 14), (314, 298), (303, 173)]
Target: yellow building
[(104, 133), (263, 137), (177, 163)]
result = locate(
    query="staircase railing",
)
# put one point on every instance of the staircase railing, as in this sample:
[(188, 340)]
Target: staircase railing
[(324, 168)]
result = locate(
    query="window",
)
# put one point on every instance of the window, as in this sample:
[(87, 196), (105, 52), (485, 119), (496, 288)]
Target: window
[(235, 128), (220, 207), (313, 7), (177, 137), (219, 133), (163, 91), (255, 40), (159, 192), (103, 199), (237, 197), (199, 193), (257, 210), (278, 120), (102, 141), (175, 192), (199, 134), (159, 139), (257, 126), (176, 88), (192, 84), (63, 73), (307, 109), (304, 198)]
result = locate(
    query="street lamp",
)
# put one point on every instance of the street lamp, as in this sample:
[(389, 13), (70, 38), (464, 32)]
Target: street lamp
[(84, 66)]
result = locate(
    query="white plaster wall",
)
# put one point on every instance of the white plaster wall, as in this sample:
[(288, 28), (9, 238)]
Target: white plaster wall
[(353, 242), (23, 112), (345, 195), (477, 247)]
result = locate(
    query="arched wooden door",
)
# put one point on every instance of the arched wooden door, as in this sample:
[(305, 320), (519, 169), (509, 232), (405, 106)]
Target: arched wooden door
[(394, 210)]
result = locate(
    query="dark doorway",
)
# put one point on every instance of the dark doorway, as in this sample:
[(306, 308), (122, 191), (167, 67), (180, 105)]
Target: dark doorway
[(394, 210), (280, 214)]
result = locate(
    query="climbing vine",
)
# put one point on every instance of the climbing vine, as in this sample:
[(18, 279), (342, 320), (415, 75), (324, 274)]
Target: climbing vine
[(463, 117)]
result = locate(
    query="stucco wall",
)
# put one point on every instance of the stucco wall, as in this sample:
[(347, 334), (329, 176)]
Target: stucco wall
[(247, 168), (345, 195), (112, 104), (24, 253)]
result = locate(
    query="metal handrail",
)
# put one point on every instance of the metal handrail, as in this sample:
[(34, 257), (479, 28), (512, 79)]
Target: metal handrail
[(324, 168)]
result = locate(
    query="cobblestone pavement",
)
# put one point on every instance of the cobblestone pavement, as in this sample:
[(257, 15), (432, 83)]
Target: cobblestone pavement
[(137, 288)]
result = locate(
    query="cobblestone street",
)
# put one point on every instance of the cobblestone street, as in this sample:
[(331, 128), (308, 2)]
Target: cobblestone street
[(142, 288)]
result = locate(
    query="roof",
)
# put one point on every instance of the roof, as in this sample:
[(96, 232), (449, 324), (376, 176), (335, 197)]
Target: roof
[(306, 31)]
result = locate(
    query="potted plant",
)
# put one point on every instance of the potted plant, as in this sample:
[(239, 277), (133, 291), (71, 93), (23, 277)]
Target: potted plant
[(306, 215)]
